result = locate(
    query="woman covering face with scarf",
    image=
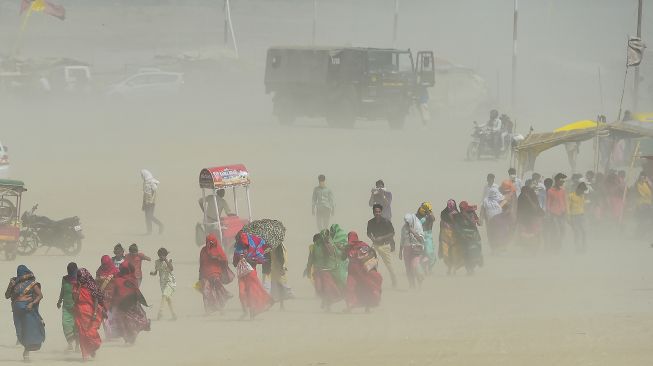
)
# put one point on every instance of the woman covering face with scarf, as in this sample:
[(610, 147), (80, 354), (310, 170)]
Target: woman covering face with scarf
[(66, 303), (468, 237), (450, 250), (363, 281), (127, 305), (214, 273), (105, 277), (427, 219)]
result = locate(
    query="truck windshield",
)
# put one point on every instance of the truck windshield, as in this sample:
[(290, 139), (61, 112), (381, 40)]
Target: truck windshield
[(385, 61)]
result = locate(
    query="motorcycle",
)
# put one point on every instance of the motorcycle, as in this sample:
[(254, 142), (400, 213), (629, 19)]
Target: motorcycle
[(484, 144), (38, 231)]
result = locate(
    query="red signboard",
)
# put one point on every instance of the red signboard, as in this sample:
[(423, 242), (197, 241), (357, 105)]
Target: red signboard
[(224, 177)]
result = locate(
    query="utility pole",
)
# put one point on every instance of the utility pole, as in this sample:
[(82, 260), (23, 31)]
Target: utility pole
[(225, 31), (514, 58), (314, 21), (639, 35), (396, 25)]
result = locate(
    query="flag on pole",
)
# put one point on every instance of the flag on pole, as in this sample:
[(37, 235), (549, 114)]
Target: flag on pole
[(635, 51), (44, 6)]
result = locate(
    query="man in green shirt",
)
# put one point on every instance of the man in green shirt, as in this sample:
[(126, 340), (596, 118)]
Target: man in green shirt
[(323, 204)]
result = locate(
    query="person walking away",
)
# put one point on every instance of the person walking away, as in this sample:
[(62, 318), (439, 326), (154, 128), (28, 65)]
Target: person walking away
[(382, 233), (163, 267), (529, 218), (556, 209), (468, 237), (250, 251), (492, 208), (363, 280), (412, 250), (136, 258), (449, 250), (66, 304), (150, 188), (576, 210), (104, 276), (382, 197), (127, 305), (427, 219), (644, 205), (323, 203), (280, 290), (25, 294), (89, 311), (118, 255), (213, 275)]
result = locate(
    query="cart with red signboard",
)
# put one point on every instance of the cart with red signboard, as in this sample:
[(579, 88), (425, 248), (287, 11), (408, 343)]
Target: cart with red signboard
[(11, 192), (215, 182)]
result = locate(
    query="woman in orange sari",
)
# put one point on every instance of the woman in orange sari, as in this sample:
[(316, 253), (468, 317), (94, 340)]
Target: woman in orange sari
[(89, 310), (214, 272), (363, 280)]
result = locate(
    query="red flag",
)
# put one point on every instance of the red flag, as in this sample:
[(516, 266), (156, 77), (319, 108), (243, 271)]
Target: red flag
[(45, 6)]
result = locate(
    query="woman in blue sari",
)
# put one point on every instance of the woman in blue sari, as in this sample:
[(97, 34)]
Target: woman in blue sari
[(25, 294)]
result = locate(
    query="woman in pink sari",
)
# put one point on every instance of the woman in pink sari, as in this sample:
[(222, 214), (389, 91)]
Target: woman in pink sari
[(363, 280)]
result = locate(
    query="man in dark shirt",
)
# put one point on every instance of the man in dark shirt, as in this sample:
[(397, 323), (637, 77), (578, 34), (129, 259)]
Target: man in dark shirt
[(382, 233)]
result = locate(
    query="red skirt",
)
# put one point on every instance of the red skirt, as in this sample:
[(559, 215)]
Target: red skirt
[(326, 286), (87, 326), (214, 294), (363, 287), (252, 294)]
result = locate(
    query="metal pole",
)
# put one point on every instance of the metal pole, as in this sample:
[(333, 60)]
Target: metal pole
[(601, 92), (217, 210), (231, 26), (639, 34), (204, 207), (249, 204), (314, 22), (235, 200), (396, 25), (514, 56), (225, 31)]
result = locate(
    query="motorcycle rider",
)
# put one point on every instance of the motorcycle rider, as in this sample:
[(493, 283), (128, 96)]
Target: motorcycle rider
[(493, 126)]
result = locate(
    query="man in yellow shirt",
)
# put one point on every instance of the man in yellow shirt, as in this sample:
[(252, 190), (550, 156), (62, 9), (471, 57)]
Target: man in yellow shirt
[(576, 212)]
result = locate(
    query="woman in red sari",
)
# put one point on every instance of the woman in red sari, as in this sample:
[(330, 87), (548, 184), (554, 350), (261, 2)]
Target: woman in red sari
[(254, 299), (104, 278), (364, 281), (214, 273), (89, 311), (126, 305)]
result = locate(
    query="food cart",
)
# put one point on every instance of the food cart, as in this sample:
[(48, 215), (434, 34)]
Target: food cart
[(218, 180), (11, 192)]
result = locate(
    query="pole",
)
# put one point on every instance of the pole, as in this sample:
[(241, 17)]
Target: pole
[(636, 82), (514, 56), (231, 26), (314, 21), (225, 31), (596, 146), (601, 92), (396, 25)]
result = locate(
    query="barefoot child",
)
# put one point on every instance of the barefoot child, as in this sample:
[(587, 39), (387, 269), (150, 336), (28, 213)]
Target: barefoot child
[(163, 266)]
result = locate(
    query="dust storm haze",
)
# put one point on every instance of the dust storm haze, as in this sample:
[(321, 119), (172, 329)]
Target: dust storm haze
[(81, 154)]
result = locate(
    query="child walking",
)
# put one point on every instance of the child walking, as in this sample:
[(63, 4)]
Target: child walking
[(163, 266)]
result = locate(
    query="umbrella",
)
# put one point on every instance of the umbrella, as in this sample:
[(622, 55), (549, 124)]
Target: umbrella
[(578, 125), (272, 231)]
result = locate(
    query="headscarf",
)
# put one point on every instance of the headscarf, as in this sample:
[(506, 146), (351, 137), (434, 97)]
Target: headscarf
[(127, 271), (412, 225), (84, 279), (107, 268), (492, 203), (213, 247), (425, 208), (22, 270), (507, 187), (72, 272), (355, 245), (448, 213)]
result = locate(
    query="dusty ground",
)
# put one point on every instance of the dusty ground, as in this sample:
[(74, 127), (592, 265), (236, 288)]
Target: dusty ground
[(84, 159)]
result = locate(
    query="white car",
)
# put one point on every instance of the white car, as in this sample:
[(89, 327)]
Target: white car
[(147, 85), (4, 162)]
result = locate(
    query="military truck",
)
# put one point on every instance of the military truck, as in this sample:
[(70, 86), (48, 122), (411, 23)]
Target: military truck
[(346, 84)]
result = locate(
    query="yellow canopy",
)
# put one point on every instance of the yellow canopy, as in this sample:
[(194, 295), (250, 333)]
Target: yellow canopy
[(578, 125), (643, 117)]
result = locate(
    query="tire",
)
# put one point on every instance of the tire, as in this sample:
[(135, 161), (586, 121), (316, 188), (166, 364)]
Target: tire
[(397, 121), (27, 244), (473, 151), (74, 248)]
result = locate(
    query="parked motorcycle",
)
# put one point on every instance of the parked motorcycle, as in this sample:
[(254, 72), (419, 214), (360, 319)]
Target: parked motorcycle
[(38, 231), (484, 144)]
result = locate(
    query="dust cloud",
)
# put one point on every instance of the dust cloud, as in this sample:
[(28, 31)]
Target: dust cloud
[(81, 154)]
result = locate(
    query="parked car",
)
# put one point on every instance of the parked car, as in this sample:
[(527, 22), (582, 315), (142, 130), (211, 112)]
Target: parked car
[(4, 161), (149, 84)]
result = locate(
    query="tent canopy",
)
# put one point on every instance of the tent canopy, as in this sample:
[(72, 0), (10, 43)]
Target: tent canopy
[(578, 125)]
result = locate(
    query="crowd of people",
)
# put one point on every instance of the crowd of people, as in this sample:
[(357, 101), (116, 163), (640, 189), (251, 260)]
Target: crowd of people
[(533, 214)]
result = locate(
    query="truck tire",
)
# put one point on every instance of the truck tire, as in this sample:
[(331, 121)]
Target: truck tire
[(397, 121), (284, 112)]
